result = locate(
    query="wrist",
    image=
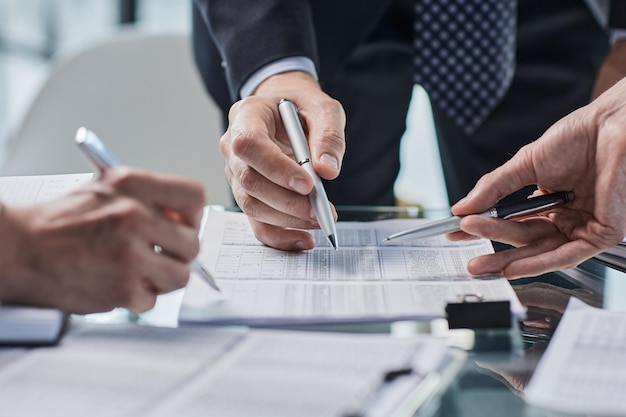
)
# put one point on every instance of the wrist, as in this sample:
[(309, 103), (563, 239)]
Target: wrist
[(287, 82)]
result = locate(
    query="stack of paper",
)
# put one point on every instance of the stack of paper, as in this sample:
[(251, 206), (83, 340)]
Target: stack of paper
[(364, 281), (583, 370), (129, 370)]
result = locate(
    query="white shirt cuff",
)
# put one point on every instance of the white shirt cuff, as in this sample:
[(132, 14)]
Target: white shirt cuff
[(294, 63), (617, 34)]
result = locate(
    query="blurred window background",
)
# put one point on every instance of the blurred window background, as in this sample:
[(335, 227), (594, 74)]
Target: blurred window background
[(34, 34)]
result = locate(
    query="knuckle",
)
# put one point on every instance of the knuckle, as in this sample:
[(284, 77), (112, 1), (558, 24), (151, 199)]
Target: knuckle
[(125, 294), (237, 106), (181, 277), (224, 144), (190, 248), (131, 216), (194, 249), (145, 304), (241, 141), (228, 174), (248, 206), (333, 136), (197, 196), (332, 106), (249, 179), (123, 178), (334, 139), (295, 205)]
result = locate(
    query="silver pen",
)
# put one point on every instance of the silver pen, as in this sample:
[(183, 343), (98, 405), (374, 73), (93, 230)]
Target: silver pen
[(95, 151), (318, 197), (527, 207)]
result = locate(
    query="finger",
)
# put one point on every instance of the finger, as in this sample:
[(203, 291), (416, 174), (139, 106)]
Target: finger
[(461, 236), (161, 191), (494, 186), (281, 238), (164, 273), (498, 263), (142, 302), (142, 298), (145, 228), (563, 257), (541, 257), (178, 240), (274, 196), (325, 124), (252, 130), (260, 211), (516, 233)]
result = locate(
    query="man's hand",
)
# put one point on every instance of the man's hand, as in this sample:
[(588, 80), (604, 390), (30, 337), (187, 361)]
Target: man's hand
[(267, 183), (585, 152), (93, 249)]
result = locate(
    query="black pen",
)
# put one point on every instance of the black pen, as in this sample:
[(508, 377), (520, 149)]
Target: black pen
[(502, 211), (93, 148)]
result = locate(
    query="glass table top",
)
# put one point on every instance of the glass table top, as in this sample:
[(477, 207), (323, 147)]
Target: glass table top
[(499, 362)]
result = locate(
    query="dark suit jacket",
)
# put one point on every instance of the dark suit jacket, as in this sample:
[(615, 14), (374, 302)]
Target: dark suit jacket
[(326, 31), (559, 49)]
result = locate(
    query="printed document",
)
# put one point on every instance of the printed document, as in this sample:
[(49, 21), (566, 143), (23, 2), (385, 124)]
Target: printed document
[(130, 370), (364, 281), (583, 371), (33, 189)]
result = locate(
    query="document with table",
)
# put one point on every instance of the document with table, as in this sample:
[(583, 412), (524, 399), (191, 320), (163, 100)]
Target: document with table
[(32, 189), (583, 370), (31, 325), (121, 370), (365, 281)]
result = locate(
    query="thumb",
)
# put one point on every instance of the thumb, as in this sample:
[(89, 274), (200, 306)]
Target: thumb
[(326, 122), (515, 174)]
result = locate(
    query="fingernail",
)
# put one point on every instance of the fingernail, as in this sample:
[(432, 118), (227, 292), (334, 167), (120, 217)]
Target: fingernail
[(298, 185), (330, 161)]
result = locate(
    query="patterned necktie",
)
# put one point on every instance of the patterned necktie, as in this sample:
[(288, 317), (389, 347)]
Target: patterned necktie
[(465, 55)]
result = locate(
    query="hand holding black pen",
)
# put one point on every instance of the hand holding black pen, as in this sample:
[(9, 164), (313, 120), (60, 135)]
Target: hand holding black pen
[(103, 159), (505, 211)]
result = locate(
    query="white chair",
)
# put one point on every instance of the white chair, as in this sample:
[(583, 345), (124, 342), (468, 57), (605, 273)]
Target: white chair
[(141, 94)]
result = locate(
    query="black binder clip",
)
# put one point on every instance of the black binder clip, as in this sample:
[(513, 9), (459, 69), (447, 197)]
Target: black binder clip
[(472, 312)]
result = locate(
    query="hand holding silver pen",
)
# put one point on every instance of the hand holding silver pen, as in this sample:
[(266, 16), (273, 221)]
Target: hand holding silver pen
[(318, 197), (505, 211), (103, 159)]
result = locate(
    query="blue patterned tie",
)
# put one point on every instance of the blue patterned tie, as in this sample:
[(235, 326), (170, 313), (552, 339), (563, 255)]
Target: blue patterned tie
[(465, 55)]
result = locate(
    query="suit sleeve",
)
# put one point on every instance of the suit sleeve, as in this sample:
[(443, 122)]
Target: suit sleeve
[(252, 33), (617, 14)]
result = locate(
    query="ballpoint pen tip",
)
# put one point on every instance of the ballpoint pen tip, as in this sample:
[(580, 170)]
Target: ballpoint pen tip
[(333, 241), (208, 278)]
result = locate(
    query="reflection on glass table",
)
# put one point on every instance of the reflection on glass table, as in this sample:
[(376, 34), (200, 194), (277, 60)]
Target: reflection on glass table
[(500, 362)]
